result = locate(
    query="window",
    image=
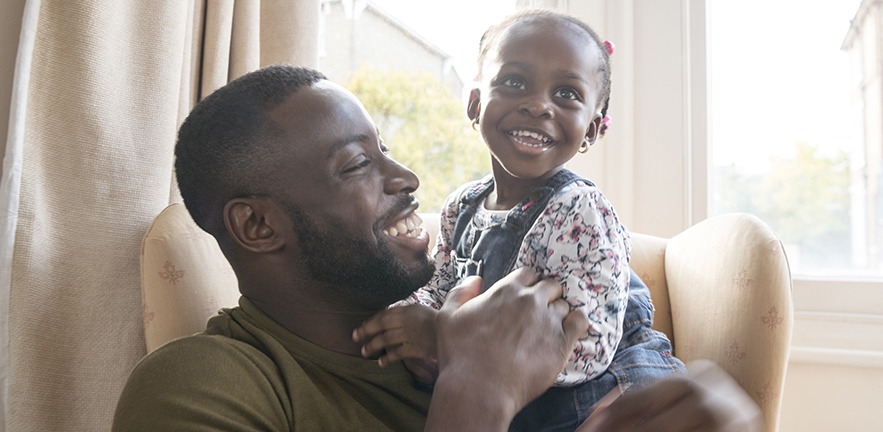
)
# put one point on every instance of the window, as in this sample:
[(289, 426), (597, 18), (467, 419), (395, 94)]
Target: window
[(788, 115)]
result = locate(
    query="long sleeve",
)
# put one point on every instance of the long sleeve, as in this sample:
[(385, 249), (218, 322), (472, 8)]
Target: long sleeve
[(579, 241)]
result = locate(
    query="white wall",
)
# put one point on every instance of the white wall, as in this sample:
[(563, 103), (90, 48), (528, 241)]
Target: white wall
[(653, 161), (835, 374), (653, 165)]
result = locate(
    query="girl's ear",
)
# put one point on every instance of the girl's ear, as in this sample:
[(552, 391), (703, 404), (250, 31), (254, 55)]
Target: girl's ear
[(255, 224), (594, 130), (473, 107)]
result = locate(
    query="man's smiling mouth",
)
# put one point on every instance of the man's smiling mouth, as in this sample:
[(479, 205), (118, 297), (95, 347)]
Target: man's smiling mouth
[(408, 226)]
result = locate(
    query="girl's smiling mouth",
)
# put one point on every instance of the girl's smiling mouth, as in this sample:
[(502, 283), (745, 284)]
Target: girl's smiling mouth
[(531, 139)]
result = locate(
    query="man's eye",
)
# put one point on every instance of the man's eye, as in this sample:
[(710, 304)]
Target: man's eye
[(361, 164)]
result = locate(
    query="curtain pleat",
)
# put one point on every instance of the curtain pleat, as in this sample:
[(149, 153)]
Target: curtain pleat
[(10, 187), (246, 32), (216, 45), (109, 83)]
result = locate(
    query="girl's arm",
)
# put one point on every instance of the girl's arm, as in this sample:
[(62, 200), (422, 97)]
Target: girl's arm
[(580, 241)]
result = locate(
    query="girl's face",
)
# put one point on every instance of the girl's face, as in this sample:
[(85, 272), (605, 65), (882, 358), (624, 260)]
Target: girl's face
[(538, 99)]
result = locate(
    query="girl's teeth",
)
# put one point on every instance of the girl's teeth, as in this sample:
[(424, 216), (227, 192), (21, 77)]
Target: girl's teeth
[(402, 227), (533, 135), (393, 232)]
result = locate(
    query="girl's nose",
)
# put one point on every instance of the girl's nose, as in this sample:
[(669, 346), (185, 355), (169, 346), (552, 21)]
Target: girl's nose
[(536, 106)]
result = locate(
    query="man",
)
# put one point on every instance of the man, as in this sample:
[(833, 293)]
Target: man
[(288, 172)]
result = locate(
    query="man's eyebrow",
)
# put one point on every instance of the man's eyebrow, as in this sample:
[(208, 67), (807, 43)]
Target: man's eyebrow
[(347, 141)]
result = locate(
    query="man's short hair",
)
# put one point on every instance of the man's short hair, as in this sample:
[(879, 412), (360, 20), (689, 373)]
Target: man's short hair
[(223, 146)]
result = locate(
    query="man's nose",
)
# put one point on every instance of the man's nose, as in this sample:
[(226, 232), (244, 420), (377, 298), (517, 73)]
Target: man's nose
[(400, 179)]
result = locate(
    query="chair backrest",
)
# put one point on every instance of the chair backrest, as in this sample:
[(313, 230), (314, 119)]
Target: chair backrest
[(648, 261), (185, 279)]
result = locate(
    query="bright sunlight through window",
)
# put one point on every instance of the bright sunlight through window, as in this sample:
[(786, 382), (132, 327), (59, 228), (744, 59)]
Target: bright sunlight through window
[(789, 111)]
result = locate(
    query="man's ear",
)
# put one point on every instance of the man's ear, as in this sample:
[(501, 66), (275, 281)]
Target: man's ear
[(593, 131), (255, 224), (473, 107)]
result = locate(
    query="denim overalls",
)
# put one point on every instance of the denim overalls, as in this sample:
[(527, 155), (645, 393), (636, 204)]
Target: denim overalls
[(643, 354)]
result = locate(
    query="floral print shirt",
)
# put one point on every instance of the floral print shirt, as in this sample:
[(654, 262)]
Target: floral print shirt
[(578, 240)]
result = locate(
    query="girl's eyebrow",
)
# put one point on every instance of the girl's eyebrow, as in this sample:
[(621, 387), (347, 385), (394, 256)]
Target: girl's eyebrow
[(573, 75), (567, 74), (517, 64)]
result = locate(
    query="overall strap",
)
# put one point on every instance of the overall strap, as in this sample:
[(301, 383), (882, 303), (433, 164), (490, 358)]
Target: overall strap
[(483, 257), (523, 215), (470, 199)]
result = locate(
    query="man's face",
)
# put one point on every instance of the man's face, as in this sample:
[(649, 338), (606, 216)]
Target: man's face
[(351, 205)]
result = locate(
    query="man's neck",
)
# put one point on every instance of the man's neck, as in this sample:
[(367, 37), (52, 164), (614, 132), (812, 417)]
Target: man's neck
[(320, 323)]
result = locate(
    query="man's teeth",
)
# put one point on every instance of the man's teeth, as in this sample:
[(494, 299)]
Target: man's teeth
[(408, 227)]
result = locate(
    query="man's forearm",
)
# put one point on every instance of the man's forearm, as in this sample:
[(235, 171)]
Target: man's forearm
[(462, 402)]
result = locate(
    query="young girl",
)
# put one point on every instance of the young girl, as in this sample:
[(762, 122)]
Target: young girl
[(543, 95)]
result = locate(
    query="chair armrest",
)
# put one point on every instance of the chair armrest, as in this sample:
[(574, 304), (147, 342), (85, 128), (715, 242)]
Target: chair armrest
[(730, 289)]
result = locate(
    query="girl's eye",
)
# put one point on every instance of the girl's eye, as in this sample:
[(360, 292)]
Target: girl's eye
[(514, 82), (567, 93)]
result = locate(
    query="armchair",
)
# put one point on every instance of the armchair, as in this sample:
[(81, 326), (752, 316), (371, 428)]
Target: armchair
[(722, 291)]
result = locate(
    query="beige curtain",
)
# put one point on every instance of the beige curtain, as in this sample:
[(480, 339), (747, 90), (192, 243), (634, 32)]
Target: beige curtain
[(100, 88)]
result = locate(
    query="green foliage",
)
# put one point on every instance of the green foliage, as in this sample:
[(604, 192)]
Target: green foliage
[(804, 198), (808, 194), (425, 126)]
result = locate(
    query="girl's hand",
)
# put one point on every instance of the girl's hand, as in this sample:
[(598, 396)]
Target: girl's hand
[(401, 332)]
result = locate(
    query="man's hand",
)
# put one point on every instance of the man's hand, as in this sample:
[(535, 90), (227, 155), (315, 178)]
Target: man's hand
[(705, 399), (500, 350)]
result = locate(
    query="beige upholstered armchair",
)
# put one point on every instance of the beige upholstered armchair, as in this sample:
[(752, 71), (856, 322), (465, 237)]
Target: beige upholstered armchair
[(722, 291)]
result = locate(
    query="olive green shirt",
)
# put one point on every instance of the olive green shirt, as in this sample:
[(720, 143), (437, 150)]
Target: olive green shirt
[(247, 372)]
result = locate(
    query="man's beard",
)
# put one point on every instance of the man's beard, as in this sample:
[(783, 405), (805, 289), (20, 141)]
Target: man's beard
[(358, 268)]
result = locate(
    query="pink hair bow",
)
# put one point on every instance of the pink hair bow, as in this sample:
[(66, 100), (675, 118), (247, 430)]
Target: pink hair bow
[(609, 46)]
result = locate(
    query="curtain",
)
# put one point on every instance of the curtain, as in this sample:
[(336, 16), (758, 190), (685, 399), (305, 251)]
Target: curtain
[(100, 88)]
